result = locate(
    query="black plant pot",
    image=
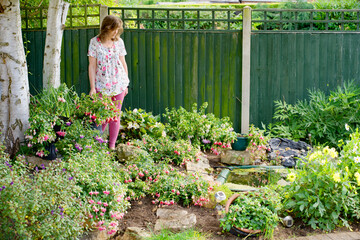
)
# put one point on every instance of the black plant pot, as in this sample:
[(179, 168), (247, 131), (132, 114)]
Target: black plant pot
[(52, 152)]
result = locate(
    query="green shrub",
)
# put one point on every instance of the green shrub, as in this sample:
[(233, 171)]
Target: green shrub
[(136, 123), (43, 204), (102, 190), (324, 191), (164, 149), (203, 130), (323, 116), (253, 211), (189, 234)]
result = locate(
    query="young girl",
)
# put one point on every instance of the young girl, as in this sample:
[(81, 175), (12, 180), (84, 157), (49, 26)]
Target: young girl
[(108, 73)]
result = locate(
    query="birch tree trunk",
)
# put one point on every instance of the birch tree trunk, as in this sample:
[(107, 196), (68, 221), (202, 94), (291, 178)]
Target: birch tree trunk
[(14, 85), (54, 31)]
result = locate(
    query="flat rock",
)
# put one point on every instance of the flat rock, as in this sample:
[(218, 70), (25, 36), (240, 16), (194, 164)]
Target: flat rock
[(125, 153), (239, 187), (233, 157), (95, 235), (202, 166), (134, 233), (174, 220), (38, 161)]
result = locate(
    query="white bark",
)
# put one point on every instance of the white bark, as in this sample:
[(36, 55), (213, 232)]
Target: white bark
[(14, 85), (54, 32)]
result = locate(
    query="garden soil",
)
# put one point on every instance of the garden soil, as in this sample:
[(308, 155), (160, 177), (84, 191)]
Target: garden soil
[(142, 214)]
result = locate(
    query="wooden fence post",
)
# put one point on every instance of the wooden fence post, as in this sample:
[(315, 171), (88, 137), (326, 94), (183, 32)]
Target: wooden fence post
[(245, 96), (103, 13)]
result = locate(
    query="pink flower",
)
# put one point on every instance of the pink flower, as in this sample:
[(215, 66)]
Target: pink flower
[(40, 154), (113, 224), (141, 174), (100, 223), (29, 145), (96, 193), (91, 193), (105, 204), (101, 214), (61, 133), (91, 201), (99, 202), (46, 137), (173, 190), (108, 85), (155, 150), (90, 216), (102, 228), (106, 192), (177, 193), (103, 209), (61, 99)]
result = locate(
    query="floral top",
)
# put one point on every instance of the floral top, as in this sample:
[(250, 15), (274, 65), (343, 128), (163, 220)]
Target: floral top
[(111, 78)]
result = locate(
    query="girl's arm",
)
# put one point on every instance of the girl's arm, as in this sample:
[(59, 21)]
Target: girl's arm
[(92, 73), (123, 62)]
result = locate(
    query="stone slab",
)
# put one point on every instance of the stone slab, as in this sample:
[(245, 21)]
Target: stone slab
[(174, 220), (239, 187), (202, 166), (134, 233), (233, 157)]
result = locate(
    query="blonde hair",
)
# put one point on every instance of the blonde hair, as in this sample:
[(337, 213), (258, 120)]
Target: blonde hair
[(111, 23)]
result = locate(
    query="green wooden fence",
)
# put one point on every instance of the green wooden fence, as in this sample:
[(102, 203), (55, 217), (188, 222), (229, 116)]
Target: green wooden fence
[(177, 57), (285, 65)]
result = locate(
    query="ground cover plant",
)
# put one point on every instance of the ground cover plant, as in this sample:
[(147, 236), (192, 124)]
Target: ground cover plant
[(38, 202)]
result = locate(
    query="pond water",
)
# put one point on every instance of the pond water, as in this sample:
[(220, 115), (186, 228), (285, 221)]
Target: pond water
[(257, 177)]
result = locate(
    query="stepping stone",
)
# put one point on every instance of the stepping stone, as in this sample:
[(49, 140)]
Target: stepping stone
[(239, 188), (175, 220)]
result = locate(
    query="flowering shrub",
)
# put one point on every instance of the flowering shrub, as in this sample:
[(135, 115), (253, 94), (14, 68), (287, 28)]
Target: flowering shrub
[(203, 130), (44, 204), (258, 143), (96, 109), (135, 123), (177, 187), (253, 211), (324, 191), (103, 191), (165, 149), (80, 137)]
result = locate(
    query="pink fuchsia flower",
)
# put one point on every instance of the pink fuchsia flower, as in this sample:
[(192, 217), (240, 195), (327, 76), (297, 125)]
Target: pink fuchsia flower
[(61, 99), (91, 193), (177, 193), (61, 133), (113, 224), (29, 145), (103, 209), (112, 231), (99, 202), (96, 193), (100, 223), (155, 150), (95, 209), (102, 228), (101, 214), (46, 137), (105, 204), (91, 201), (40, 153), (141, 174), (119, 216), (90, 216), (106, 192), (173, 190)]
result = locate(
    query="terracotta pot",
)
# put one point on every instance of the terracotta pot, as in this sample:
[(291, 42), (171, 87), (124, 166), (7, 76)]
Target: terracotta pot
[(242, 231)]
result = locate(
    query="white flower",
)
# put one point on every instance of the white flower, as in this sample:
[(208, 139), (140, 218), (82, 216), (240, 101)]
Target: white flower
[(130, 125), (163, 134), (135, 110), (357, 159), (347, 127), (136, 125)]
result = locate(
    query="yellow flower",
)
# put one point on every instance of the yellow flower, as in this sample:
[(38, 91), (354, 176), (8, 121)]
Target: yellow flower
[(315, 155), (326, 150), (291, 177), (346, 169), (336, 177), (333, 153)]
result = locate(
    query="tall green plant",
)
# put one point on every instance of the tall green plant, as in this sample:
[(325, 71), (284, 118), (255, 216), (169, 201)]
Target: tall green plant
[(323, 116)]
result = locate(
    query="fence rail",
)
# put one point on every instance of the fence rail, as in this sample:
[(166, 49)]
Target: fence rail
[(339, 20), (79, 16), (184, 19)]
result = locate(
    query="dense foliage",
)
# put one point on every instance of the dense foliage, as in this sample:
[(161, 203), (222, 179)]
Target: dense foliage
[(203, 130), (323, 116), (324, 192)]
